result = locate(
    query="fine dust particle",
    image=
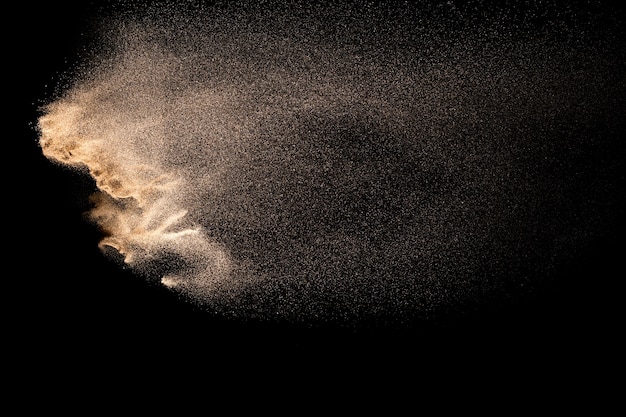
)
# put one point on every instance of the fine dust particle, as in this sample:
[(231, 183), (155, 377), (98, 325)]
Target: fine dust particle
[(338, 163)]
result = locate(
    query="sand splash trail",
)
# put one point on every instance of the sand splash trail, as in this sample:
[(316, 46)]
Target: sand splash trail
[(339, 163)]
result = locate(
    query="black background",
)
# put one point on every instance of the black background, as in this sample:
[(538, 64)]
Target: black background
[(72, 309)]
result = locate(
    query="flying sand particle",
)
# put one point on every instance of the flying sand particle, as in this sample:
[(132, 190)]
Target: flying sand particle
[(312, 166)]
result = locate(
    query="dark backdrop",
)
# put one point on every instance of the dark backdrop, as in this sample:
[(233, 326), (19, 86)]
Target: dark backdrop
[(61, 312)]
